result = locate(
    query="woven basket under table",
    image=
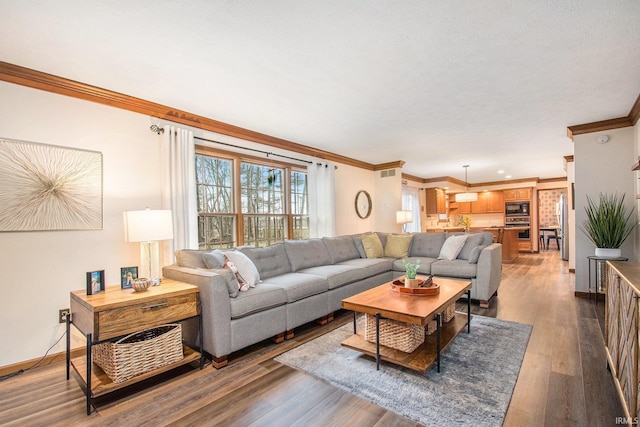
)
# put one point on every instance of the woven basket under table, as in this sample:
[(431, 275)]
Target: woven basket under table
[(139, 352), (399, 335)]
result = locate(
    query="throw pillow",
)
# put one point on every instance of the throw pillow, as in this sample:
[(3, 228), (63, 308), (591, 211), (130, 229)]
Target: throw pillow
[(357, 240), (230, 279), (213, 259), (246, 268), (397, 245), (372, 245), (475, 254), (452, 247)]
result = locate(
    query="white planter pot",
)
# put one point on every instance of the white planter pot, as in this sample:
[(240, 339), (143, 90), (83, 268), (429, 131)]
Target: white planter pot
[(608, 252)]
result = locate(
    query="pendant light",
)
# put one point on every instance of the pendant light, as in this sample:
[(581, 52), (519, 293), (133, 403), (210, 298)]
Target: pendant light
[(466, 196)]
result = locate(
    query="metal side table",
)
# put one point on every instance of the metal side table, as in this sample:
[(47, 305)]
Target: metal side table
[(597, 274)]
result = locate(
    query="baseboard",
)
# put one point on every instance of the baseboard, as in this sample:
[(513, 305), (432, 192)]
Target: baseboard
[(52, 358), (572, 270), (588, 295)]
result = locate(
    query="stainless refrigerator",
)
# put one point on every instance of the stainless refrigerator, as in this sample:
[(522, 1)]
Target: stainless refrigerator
[(563, 220)]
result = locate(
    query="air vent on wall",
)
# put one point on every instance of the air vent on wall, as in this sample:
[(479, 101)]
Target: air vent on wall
[(388, 172)]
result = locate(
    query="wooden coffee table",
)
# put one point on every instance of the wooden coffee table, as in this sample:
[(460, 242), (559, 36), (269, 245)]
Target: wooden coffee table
[(382, 302)]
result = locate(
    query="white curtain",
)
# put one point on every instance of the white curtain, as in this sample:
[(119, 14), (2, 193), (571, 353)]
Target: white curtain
[(411, 202), (177, 158), (321, 178)]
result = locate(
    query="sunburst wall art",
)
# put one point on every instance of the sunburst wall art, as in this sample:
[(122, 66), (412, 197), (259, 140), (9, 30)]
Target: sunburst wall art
[(47, 187)]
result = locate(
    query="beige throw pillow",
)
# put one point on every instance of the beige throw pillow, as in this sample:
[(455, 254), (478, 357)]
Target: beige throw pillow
[(372, 245), (452, 247), (397, 245)]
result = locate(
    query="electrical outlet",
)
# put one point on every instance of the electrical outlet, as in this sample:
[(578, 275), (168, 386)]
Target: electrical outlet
[(62, 315)]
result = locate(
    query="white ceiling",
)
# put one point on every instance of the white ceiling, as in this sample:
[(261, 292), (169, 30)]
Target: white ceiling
[(438, 84)]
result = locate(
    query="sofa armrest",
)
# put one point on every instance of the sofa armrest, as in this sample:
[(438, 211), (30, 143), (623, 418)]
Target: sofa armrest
[(489, 271), (215, 307)]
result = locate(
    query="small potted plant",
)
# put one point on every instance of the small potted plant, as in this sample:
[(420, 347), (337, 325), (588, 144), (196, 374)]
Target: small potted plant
[(608, 224), (411, 270)]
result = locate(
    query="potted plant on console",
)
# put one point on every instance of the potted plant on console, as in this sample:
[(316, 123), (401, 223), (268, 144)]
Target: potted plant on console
[(411, 270), (608, 224)]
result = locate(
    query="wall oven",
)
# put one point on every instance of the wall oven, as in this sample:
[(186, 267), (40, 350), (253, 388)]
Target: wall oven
[(516, 208), (521, 221)]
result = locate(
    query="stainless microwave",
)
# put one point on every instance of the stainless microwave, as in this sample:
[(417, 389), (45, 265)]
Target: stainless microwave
[(516, 208)]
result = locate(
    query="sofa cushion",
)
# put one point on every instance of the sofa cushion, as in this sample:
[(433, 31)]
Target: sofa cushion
[(257, 299), (454, 268), (397, 245), (213, 259), (357, 240), (306, 253), (382, 237), (372, 245), (452, 247), (426, 245), (299, 285), (474, 256), (370, 266), (246, 268), (191, 258), (337, 275), (270, 260), (230, 279), (472, 241), (424, 268), (341, 248)]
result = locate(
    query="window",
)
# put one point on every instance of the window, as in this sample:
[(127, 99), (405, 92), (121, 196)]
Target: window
[(247, 202)]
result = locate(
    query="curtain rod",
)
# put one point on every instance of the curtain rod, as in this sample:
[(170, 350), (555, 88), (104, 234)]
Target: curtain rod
[(253, 149)]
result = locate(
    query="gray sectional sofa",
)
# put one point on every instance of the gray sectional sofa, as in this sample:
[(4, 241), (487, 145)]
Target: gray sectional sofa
[(306, 280)]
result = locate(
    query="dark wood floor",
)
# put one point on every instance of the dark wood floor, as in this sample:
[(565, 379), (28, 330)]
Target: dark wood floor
[(563, 379)]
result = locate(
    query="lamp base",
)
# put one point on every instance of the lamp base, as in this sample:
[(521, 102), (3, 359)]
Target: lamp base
[(150, 262)]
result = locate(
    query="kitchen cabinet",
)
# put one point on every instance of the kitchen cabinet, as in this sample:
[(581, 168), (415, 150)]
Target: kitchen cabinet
[(436, 202), (488, 202), (517, 194)]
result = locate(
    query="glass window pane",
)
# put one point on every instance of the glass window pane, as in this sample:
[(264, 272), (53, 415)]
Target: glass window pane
[(262, 189), (264, 230)]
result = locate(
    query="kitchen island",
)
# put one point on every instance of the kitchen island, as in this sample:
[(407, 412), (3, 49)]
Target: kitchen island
[(508, 236)]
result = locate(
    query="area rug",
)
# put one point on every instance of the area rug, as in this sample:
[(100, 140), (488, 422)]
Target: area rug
[(476, 380)]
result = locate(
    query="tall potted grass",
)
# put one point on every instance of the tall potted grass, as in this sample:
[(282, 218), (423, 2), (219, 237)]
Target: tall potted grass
[(608, 224)]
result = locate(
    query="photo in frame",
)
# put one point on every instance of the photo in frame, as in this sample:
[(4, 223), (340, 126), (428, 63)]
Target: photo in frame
[(127, 276), (95, 282)]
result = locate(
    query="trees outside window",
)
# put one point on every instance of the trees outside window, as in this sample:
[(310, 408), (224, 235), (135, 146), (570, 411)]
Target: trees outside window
[(244, 202)]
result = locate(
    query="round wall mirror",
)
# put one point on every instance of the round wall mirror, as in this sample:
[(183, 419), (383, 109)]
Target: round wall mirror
[(363, 204)]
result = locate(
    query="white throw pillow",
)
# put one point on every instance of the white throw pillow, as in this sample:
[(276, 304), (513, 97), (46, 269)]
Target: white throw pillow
[(246, 267), (452, 247)]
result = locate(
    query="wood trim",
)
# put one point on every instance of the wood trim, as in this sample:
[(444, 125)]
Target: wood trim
[(38, 80), (620, 122), (568, 159), (389, 165), (52, 358), (634, 114), (412, 178), (548, 180)]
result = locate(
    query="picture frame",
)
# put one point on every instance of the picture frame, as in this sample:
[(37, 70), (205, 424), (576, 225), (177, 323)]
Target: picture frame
[(127, 276), (95, 282)]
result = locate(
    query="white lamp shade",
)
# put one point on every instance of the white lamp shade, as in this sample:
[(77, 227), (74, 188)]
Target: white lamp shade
[(466, 197), (148, 225), (404, 217)]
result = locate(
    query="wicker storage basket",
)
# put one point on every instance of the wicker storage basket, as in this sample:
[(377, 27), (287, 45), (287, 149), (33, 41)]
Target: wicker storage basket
[(449, 313), (399, 335), (431, 327), (139, 352)]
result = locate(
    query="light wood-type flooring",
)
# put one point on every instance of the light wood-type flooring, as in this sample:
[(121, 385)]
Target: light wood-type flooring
[(563, 379)]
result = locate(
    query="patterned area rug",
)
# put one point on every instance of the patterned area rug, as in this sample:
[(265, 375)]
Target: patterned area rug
[(476, 380)]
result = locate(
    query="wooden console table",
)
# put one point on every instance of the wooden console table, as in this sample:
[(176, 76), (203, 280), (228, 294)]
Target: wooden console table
[(119, 312), (621, 331)]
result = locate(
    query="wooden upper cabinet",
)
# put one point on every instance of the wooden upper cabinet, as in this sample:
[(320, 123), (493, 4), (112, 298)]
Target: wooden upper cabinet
[(517, 194), (435, 201), (495, 202), (480, 205)]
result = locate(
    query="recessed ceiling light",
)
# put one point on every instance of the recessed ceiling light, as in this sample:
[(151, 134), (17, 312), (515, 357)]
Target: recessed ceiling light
[(500, 171), (507, 176)]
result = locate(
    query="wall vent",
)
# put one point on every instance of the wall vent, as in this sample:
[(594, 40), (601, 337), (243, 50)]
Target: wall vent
[(388, 172)]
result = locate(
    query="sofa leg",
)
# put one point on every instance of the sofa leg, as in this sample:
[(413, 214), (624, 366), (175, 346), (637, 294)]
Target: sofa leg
[(219, 362), (289, 334), (278, 338), (330, 317), (484, 303), (321, 320)]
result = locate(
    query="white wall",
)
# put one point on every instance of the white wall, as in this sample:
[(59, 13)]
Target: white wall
[(601, 168), (387, 201), (350, 180), (38, 269)]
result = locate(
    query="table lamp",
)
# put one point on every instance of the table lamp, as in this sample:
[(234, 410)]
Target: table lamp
[(404, 217), (149, 227)]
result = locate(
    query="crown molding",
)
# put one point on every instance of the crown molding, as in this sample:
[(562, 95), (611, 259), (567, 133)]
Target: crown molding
[(620, 122), (634, 114), (38, 80), (389, 165), (412, 178), (568, 159)]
